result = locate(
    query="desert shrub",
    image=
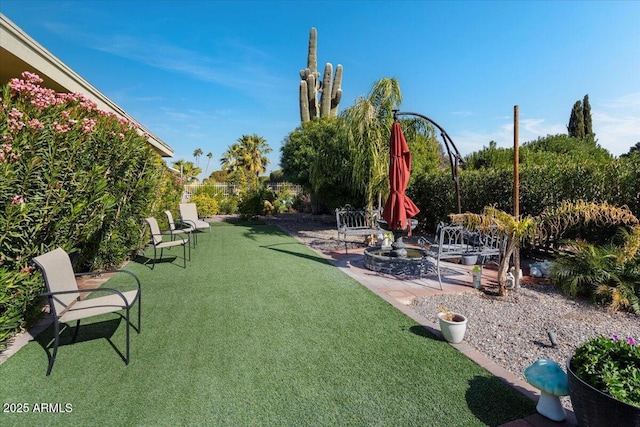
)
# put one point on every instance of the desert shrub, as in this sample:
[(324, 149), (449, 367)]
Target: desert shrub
[(301, 203), (208, 190), (264, 201), (207, 206), (251, 204), (228, 204), (168, 197), (282, 200), (268, 208), (601, 273)]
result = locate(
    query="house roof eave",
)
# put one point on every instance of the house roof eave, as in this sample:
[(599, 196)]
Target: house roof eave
[(19, 52)]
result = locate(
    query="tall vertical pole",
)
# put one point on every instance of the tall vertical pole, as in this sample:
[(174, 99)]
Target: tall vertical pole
[(516, 188)]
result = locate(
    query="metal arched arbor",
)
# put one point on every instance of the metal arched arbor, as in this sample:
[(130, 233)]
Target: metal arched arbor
[(455, 159)]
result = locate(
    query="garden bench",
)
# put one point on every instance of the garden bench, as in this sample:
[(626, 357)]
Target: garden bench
[(455, 241), (356, 222)]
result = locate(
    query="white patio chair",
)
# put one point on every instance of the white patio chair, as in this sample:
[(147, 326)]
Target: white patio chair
[(158, 243), (67, 306), (178, 231), (189, 214)]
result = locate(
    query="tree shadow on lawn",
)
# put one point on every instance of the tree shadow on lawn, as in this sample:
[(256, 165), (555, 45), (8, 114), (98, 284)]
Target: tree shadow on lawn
[(297, 254), (304, 222), (247, 222), (260, 229), (491, 400), (148, 262), (494, 402), (426, 332), (88, 332)]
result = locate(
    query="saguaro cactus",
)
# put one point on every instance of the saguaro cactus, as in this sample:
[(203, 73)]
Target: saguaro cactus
[(311, 85)]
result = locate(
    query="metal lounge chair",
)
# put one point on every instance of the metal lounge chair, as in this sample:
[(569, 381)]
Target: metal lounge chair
[(158, 243), (178, 231), (65, 300), (189, 214)]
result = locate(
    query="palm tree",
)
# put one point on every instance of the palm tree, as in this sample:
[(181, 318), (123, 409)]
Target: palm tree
[(254, 149), (189, 170), (209, 157), (233, 163), (230, 157), (179, 165), (247, 155), (515, 230), (197, 153), (368, 130)]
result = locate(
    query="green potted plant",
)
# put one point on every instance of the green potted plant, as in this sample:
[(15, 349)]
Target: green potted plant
[(604, 382), (452, 325)]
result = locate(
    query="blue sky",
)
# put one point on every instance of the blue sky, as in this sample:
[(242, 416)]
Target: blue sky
[(200, 74)]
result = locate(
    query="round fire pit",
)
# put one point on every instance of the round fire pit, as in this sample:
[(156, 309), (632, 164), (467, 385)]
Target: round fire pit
[(416, 262)]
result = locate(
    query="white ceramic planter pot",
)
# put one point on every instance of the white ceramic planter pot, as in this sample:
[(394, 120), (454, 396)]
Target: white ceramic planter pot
[(453, 330), (469, 259)]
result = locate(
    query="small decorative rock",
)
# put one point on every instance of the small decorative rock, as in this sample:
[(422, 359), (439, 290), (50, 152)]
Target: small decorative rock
[(547, 376)]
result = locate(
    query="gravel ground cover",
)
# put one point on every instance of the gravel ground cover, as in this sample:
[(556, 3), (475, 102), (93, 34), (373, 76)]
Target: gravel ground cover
[(513, 331)]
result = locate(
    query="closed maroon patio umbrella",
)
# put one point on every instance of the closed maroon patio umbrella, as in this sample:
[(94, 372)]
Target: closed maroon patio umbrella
[(399, 208)]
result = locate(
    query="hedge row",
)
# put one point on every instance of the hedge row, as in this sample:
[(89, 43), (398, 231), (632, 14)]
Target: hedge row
[(616, 182)]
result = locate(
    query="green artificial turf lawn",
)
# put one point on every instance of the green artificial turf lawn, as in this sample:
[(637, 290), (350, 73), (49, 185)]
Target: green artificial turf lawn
[(258, 330)]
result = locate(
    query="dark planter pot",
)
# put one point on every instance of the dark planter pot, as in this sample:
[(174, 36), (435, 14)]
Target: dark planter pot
[(594, 408)]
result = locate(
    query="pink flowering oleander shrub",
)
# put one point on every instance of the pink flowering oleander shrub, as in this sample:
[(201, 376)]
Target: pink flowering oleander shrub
[(71, 175)]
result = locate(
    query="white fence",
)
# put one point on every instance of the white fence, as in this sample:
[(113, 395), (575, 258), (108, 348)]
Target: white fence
[(227, 188)]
